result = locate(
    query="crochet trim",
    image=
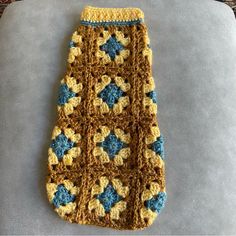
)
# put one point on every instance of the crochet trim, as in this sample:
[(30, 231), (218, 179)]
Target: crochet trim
[(121, 16), (108, 23)]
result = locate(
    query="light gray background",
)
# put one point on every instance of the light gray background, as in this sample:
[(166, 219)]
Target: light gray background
[(194, 46)]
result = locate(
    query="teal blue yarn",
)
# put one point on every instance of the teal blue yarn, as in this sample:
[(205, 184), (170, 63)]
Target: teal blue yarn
[(111, 94), (62, 196), (109, 23), (109, 197), (157, 202), (158, 146), (60, 145), (112, 145), (112, 47), (64, 94), (153, 96), (72, 44)]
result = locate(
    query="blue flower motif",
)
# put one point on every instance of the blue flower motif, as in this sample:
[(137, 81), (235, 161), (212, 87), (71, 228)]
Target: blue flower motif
[(112, 47), (153, 96), (158, 146), (72, 44), (112, 145), (62, 196), (111, 94), (157, 202), (60, 145), (109, 197), (64, 94)]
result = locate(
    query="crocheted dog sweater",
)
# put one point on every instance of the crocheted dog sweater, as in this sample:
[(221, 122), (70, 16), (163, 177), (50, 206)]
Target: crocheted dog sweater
[(106, 157)]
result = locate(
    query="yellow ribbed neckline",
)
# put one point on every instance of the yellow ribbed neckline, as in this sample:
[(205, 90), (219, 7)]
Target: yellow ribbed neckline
[(96, 14)]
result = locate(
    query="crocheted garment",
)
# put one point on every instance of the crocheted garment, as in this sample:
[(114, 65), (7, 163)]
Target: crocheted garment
[(106, 157)]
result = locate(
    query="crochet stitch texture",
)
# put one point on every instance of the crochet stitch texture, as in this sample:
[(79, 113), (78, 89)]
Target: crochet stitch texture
[(106, 157)]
